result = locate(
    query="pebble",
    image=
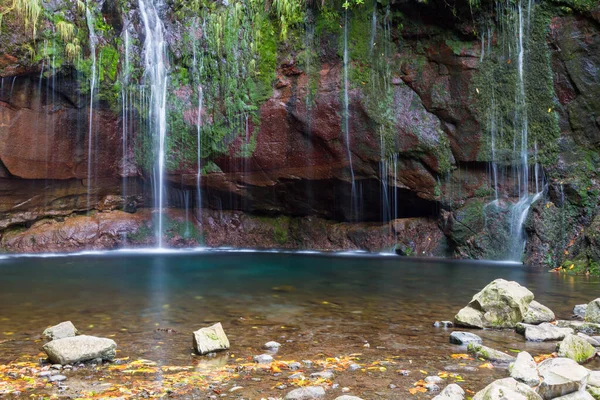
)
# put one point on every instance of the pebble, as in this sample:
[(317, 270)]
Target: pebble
[(297, 375), (345, 389), (392, 386), (45, 373), (273, 346), (433, 379), (432, 387), (57, 378), (233, 389), (354, 367), (281, 387), (256, 379), (404, 372), (294, 365), (322, 374), (443, 324), (263, 359), (56, 366), (307, 363), (335, 386)]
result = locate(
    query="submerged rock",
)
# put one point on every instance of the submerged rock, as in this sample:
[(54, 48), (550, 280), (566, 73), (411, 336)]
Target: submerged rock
[(306, 393), (451, 392), (501, 304), (576, 348), (524, 369), (487, 353), (543, 332), (209, 339), (561, 376), (507, 389), (80, 348), (538, 313), (458, 337), (63, 330), (592, 311), (443, 324), (322, 375)]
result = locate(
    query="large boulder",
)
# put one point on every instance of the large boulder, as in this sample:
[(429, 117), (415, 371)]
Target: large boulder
[(451, 392), (489, 354), (538, 313), (501, 304), (543, 332), (507, 389), (63, 330), (561, 376), (576, 348), (525, 369), (579, 310), (80, 348), (210, 339), (592, 311)]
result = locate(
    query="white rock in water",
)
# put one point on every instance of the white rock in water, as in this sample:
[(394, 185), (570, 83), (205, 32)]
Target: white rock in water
[(306, 393), (576, 396), (63, 330), (273, 346), (524, 369), (538, 313), (576, 348), (543, 332), (579, 310), (451, 392), (592, 311), (212, 338), (507, 389), (80, 348), (501, 304), (561, 376), (263, 359)]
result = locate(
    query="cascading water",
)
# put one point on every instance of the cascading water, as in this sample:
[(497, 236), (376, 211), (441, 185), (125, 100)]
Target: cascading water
[(93, 41), (516, 22), (521, 208), (155, 76), (346, 122), (125, 97)]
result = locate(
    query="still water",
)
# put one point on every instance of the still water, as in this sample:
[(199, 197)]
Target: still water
[(315, 304)]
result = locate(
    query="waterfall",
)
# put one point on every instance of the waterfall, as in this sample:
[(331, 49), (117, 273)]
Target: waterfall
[(520, 209), (93, 40), (346, 121), (155, 76), (199, 174), (124, 94)]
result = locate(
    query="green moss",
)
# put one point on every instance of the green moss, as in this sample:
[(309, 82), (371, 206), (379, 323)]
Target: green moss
[(143, 233), (495, 87), (280, 228)]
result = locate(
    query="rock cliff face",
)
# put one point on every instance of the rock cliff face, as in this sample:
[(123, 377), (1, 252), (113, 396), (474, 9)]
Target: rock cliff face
[(416, 141)]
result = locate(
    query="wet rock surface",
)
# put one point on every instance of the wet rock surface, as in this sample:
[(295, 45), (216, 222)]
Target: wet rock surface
[(76, 349)]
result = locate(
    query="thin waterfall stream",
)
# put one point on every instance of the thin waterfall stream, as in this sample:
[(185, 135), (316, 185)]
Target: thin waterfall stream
[(156, 76)]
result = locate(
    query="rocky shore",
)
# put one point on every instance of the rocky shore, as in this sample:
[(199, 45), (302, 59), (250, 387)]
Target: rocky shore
[(561, 364)]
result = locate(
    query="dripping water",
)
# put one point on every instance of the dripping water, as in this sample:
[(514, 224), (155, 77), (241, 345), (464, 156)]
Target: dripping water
[(93, 41)]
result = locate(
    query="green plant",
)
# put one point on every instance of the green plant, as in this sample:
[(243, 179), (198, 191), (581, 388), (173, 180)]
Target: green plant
[(29, 10)]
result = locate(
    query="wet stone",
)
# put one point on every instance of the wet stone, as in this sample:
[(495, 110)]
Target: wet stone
[(459, 337), (263, 359), (432, 387), (322, 375), (63, 330), (57, 378), (451, 392), (306, 393), (210, 339), (354, 367), (294, 365), (272, 346), (434, 379), (579, 310), (443, 324)]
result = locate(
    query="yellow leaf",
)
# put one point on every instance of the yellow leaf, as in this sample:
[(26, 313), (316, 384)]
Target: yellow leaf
[(486, 365), (423, 372)]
